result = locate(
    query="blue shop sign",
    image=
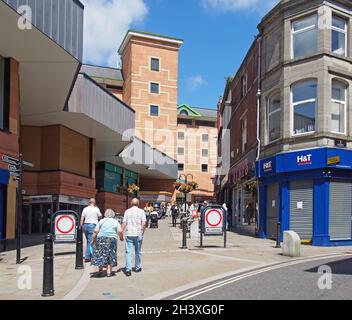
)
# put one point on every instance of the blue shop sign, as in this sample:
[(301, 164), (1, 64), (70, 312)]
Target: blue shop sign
[(4, 176), (304, 160)]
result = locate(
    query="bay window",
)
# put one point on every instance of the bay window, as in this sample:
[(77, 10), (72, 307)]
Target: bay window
[(304, 103), (338, 107), (305, 37), (339, 36), (274, 117)]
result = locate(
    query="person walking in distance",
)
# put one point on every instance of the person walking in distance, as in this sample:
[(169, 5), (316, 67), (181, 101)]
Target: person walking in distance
[(89, 220), (133, 226), (174, 213)]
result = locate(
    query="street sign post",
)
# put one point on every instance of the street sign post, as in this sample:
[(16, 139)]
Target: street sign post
[(15, 167), (213, 222), (65, 224)]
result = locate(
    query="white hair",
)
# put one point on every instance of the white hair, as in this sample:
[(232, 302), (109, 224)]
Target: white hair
[(109, 213)]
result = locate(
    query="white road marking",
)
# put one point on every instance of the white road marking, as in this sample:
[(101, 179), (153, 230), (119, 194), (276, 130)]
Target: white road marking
[(220, 284), (228, 258)]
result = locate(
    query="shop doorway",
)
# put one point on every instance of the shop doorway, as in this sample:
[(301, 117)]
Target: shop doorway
[(2, 212), (301, 208)]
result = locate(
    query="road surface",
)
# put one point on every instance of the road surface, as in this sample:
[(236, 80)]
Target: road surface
[(295, 281)]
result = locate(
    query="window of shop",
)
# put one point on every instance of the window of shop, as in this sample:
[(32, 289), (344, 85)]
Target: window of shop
[(204, 168), (4, 104), (154, 64), (338, 107), (339, 36), (274, 117), (305, 37), (2, 211), (131, 177), (304, 101)]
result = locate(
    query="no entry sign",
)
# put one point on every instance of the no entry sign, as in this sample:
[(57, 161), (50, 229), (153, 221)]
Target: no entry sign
[(214, 221), (65, 228)]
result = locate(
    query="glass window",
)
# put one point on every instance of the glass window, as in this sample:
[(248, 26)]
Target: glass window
[(181, 167), (274, 117), (155, 64), (205, 152), (244, 85), (304, 101), (339, 38), (181, 151), (305, 36), (154, 87), (205, 137), (204, 168), (154, 111), (338, 107), (244, 134), (181, 135)]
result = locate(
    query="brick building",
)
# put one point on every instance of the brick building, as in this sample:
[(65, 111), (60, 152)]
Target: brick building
[(238, 111)]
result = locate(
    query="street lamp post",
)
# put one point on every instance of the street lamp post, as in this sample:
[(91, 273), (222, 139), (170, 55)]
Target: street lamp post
[(186, 176), (183, 221)]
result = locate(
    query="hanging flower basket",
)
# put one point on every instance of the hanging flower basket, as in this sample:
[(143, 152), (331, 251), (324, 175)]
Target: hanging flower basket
[(133, 189), (186, 188)]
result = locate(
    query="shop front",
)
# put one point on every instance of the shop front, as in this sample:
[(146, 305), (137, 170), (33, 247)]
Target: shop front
[(4, 180), (309, 192), (38, 210), (243, 192)]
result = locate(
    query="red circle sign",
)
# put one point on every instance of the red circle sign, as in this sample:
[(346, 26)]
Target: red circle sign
[(66, 226), (213, 220)]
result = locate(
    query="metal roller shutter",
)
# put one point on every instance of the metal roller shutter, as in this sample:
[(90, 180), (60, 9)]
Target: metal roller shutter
[(301, 209), (340, 211), (272, 210)]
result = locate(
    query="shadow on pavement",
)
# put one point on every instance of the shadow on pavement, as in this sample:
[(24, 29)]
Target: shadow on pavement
[(69, 253), (338, 267)]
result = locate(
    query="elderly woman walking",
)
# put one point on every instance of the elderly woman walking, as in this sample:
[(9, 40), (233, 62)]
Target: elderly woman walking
[(104, 242)]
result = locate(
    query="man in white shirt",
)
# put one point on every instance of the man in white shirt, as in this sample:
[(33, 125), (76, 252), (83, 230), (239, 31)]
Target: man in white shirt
[(133, 226), (89, 219)]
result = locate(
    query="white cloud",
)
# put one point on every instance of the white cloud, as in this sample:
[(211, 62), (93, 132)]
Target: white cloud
[(195, 82), (238, 5), (105, 24)]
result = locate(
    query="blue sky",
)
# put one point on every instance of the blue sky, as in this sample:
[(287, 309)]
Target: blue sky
[(216, 34)]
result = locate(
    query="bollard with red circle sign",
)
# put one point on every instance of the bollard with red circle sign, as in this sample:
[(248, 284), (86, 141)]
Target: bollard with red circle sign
[(213, 222)]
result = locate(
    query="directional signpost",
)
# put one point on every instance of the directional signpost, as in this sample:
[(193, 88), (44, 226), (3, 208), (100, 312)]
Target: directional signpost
[(213, 222), (15, 167)]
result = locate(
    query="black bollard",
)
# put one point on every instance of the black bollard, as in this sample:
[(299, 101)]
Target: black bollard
[(278, 235), (48, 267), (79, 249), (184, 233)]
